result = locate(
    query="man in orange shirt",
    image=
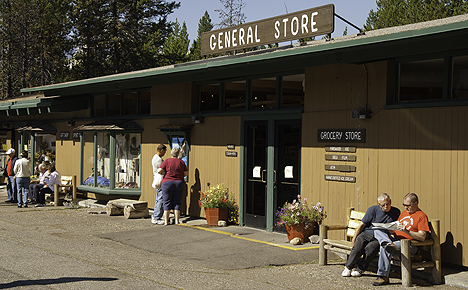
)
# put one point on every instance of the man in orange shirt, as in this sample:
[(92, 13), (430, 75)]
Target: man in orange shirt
[(10, 176), (413, 224)]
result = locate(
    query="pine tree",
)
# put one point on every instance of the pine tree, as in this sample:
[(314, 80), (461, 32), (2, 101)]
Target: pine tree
[(231, 14), (204, 25), (175, 49), (400, 12)]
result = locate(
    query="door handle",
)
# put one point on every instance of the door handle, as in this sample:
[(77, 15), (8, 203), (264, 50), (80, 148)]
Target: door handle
[(263, 176)]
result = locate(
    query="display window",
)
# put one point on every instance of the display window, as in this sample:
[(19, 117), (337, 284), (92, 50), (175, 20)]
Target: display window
[(117, 163)]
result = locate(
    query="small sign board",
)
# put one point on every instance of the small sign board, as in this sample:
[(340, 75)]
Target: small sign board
[(340, 149), (231, 146), (342, 168), (64, 135), (338, 157), (302, 24), (76, 135), (231, 153), (341, 135), (341, 178)]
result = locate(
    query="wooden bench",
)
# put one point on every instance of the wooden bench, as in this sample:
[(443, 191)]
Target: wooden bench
[(68, 185), (406, 261)]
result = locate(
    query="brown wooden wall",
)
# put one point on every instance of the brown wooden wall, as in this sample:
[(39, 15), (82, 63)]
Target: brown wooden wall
[(208, 162), (421, 150)]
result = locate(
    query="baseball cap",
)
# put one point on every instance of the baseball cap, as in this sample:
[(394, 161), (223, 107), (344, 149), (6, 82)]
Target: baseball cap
[(11, 150)]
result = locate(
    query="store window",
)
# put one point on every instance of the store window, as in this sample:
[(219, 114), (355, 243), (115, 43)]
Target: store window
[(127, 160), (293, 88), (209, 97), (264, 93), (100, 106), (421, 80), (460, 77), (235, 94), (130, 102), (145, 102), (114, 105)]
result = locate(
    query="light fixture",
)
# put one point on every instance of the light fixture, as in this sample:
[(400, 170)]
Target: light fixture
[(361, 113)]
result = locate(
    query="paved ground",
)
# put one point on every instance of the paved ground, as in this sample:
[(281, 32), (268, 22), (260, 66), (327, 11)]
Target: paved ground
[(62, 248)]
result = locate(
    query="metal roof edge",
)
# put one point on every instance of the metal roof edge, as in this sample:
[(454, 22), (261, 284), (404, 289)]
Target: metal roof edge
[(371, 37)]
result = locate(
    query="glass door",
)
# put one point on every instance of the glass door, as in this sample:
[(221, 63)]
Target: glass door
[(272, 173), (256, 167)]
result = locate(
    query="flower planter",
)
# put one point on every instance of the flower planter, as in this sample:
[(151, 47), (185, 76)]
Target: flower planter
[(213, 215), (300, 231)]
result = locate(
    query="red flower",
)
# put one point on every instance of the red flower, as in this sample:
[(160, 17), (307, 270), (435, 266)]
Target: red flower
[(199, 203), (208, 184), (223, 200)]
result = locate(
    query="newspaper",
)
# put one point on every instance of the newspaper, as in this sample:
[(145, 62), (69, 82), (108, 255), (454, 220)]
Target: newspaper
[(393, 226)]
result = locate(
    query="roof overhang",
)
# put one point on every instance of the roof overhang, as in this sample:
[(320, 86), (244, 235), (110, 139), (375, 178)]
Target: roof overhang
[(41, 104), (110, 125), (413, 39)]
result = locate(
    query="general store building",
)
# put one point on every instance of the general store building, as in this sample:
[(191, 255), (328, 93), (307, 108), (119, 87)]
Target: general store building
[(338, 121)]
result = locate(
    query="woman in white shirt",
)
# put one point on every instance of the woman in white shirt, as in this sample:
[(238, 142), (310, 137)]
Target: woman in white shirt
[(22, 177), (54, 178)]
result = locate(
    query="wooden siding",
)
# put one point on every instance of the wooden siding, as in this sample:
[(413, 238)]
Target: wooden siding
[(208, 163), (172, 99), (421, 150)]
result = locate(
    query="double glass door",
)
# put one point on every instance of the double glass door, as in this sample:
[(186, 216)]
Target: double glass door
[(272, 161)]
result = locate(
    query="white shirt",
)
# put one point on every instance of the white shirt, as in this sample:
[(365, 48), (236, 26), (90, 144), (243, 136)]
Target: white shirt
[(43, 176), (54, 178), (156, 162), (22, 168)]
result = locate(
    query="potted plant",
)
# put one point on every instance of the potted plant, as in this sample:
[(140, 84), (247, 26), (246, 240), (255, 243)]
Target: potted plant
[(219, 205), (300, 218)]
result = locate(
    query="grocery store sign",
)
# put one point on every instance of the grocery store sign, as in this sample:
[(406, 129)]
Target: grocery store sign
[(302, 24)]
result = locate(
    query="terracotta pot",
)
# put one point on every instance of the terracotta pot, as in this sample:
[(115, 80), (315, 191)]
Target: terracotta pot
[(300, 231), (213, 215)]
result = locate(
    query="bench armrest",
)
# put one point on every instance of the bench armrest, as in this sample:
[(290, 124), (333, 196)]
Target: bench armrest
[(336, 227)]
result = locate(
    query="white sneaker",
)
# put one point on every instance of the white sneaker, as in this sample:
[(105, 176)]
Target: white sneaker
[(156, 222), (357, 272), (346, 272)]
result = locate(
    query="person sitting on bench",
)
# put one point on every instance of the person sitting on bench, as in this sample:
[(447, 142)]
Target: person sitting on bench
[(363, 240), (412, 224), (54, 178)]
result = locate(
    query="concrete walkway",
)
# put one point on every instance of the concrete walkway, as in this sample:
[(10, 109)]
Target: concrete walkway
[(62, 248)]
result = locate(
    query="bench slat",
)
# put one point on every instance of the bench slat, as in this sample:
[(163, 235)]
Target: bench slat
[(339, 243), (354, 224), (357, 215)]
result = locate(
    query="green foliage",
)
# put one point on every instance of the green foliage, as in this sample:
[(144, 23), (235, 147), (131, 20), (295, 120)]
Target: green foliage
[(176, 47), (218, 197), (400, 12), (300, 212), (204, 25)]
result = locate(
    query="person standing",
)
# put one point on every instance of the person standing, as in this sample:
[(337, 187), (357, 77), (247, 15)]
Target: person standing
[(49, 186), (364, 242), (158, 204), (10, 174), (172, 184), (23, 178)]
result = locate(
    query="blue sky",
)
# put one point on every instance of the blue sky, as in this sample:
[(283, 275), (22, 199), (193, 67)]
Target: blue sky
[(355, 11)]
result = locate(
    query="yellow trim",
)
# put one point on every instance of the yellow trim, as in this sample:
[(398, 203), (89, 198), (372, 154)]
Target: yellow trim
[(248, 239)]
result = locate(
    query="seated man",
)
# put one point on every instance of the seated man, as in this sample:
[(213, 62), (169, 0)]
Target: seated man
[(35, 186), (363, 240), (413, 225)]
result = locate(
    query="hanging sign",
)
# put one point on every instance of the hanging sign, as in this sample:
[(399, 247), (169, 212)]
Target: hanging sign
[(302, 24)]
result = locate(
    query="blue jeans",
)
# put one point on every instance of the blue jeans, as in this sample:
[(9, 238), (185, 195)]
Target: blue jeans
[(158, 205), (384, 259), (11, 188), (23, 183)]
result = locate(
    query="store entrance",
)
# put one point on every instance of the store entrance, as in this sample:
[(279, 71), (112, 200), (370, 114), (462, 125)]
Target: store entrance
[(272, 154)]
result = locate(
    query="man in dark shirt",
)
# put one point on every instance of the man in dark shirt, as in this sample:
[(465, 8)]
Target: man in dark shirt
[(364, 242), (11, 184)]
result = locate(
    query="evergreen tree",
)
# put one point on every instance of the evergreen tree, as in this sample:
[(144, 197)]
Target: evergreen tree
[(231, 14), (204, 25), (400, 12), (175, 49)]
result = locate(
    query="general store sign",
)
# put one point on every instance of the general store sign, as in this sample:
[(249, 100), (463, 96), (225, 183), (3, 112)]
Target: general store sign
[(305, 23)]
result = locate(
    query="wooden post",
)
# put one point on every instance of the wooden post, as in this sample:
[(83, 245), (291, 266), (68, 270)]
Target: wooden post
[(322, 251), (74, 188), (56, 194), (435, 252), (406, 263)]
